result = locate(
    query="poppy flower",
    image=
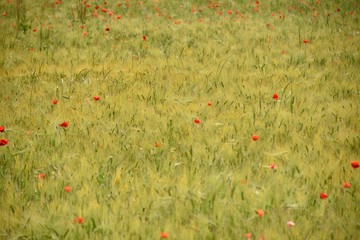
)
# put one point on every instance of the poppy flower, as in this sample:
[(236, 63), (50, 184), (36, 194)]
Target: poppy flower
[(164, 235), (144, 37), (209, 104), (346, 185), (96, 98), (107, 29), (41, 176), (306, 41), (290, 224), (157, 144), (323, 196), (260, 213), (67, 189), (64, 124), (248, 236), (273, 166), (79, 220), (355, 164), (2, 128), (3, 142), (197, 121), (55, 101), (255, 137), (275, 96)]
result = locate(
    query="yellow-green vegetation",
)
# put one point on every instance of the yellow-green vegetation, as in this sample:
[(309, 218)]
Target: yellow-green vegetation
[(134, 164)]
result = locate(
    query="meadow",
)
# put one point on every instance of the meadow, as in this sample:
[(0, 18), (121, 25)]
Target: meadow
[(180, 119)]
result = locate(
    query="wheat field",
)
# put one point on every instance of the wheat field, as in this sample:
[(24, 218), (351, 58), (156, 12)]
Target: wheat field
[(180, 119)]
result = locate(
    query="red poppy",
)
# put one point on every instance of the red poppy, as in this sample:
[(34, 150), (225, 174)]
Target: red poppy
[(355, 164), (79, 220), (3, 142), (230, 12), (64, 124), (306, 41), (157, 144), (275, 96), (255, 137), (104, 10), (107, 29), (323, 196), (2, 128), (197, 121), (96, 98), (273, 166), (248, 236), (144, 37), (209, 104), (346, 185), (41, 176), (164, 235), (55, 101), (260, 213), (67, 189)]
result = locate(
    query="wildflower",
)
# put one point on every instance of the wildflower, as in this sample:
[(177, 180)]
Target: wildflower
[(64, 124), (290, 224), (355, 164), (323, 196), (55, 101), (306, 41), (41, 176), (67, 189), (96, 98), (197, 121), (79, 220), (119, 17), (164, 235), (107, 29), (157, 144), (84, 34), (111, 13), (248, 236), (230, 12), (346, 185), (209, 104), (144, 37), (275, 96), (2, 128), (3, 142), (260, 212), (273, 166), (255, 137)]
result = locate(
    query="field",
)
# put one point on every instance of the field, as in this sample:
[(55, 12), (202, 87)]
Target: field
[(180, 119)]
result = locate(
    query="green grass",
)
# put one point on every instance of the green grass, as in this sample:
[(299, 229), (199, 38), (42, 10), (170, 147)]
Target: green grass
[(136, 162)]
